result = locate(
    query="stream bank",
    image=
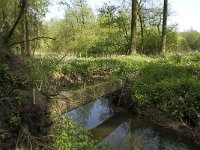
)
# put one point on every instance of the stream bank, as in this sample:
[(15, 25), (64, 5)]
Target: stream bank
[(186, 126), (69, 100), (23, 122)]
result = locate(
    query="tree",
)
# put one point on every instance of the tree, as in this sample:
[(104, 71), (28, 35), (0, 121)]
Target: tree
[(113, 32), (142, 24), (31, 25), (164, 26), (75, 33), (19, 24), (133, 47), (192, 38), (27, 30), (9, 28)]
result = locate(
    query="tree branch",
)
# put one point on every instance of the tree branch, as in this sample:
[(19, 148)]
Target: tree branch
[(36, 38)]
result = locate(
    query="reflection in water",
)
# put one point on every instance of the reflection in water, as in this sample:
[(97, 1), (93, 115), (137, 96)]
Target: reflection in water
[(124, 131), (135, 135), (93, 114), (119, 138)]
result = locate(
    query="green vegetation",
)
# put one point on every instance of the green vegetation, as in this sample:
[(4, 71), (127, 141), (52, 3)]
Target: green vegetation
[(103, 68), (109, 31), (98, 44), (11, 85), (70, 136), (77, 72), (190, 40), (12, 100), (171, 86)]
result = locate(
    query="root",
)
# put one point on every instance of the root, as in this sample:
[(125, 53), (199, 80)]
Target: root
[(32, 142)]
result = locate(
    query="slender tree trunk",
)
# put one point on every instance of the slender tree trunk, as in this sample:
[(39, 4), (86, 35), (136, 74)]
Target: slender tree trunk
[(28, 45), (142, 29), (35, 34), (23, 37), (1, 49), (82, 15), (132, 50), (122, 25), (164, 26)]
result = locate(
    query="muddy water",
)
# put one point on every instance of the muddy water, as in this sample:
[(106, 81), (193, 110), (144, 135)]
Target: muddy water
[(124, 131)]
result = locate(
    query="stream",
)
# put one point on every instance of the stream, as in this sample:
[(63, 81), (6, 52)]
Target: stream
[(124, 131)]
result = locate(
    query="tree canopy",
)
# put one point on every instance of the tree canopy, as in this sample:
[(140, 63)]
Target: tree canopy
[(109, 30)]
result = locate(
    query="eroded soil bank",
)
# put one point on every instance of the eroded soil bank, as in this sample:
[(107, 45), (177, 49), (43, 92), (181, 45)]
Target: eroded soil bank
[(23, 121)]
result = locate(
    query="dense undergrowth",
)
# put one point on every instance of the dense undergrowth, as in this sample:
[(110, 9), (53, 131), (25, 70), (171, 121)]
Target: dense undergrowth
[(171, 86), (22, 123), (85, 71)]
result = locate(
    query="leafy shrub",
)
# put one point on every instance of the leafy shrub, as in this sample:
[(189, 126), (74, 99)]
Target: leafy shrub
[(41, 68)]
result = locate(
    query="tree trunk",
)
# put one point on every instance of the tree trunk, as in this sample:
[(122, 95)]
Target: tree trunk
[(27, 27), (28, 45), (7, 37), (140, 15), (2, 52), (82, 15), (164, 26), (132, 50), (23, 37)]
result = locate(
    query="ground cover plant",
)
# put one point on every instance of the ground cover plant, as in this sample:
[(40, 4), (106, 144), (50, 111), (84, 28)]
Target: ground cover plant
[(86, 71), (70, 136), (172, 86)]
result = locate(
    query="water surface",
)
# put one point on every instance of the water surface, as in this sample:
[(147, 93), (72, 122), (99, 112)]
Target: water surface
[(124, 131), (93, 114)]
